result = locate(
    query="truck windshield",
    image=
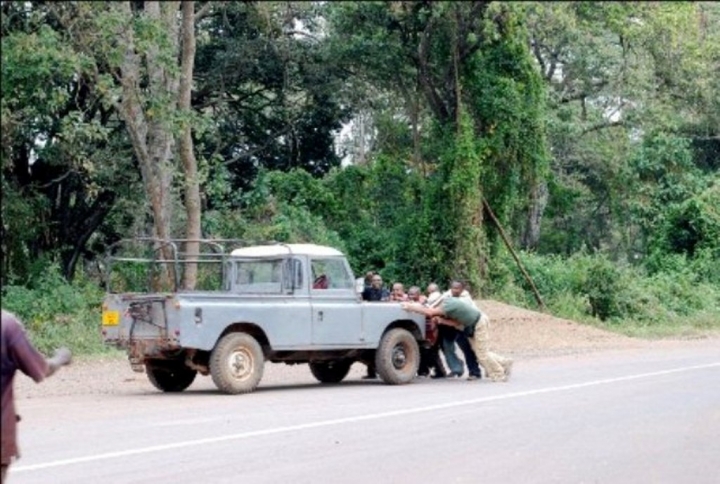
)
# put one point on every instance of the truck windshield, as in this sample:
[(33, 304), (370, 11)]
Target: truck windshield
[(331, 273)]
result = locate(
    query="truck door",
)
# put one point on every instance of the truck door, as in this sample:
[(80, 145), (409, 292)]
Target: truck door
[(336, 311), (273, 295)]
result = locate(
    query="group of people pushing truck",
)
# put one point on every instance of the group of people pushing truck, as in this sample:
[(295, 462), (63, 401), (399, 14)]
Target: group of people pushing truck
[(454, 318)]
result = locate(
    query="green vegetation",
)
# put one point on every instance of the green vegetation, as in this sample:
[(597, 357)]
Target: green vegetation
[(620, 297), (56, 313), (590, 129)]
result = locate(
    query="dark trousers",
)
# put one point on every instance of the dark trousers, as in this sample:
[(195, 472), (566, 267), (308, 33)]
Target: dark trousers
[(371, 373), (430, 360), (470, 359), (447, 337)]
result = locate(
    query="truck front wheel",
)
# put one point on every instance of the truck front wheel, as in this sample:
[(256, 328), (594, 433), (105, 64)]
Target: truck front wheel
[(330, 371), (398, 357), (237, 363), (170, 376)]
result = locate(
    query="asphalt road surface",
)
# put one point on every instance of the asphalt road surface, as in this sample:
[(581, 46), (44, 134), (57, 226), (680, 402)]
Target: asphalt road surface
[(631, 416)]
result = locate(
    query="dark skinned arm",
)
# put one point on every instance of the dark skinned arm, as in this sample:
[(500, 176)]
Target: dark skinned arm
[(432, 312)]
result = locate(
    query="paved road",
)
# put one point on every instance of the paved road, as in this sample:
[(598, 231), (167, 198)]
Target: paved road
[(632, 416)]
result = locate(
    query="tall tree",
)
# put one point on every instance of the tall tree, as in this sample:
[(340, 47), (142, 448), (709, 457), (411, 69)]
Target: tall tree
[(265, 73), (465, 57), (60, 143), (187, 153), (150, 81), (155, 92), (622, 77)]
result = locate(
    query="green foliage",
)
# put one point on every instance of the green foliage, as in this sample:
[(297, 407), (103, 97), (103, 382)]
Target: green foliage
[(279, 208), (632, 87), (593, 289), (604, 288), (31, 63), (63, 163), (462, 168), (692, 226), (595, 121), (507, 98), (56, 313), (274, 95)]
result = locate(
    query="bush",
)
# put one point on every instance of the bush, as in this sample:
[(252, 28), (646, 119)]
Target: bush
[(677, 296), (604, 288), (56, 313)]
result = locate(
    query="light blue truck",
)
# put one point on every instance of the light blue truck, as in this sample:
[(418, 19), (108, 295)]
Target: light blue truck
[(282, 303)]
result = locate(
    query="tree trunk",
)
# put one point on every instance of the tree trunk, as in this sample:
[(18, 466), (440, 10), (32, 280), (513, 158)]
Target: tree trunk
[(538, 202), (187, 155), (81, 231), (149, 130)]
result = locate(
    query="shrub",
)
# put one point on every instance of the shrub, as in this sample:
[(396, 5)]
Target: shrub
[(56, 313), (604, 287), (677, 296)]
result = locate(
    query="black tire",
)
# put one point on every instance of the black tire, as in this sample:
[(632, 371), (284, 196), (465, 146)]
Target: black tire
[(237, 363), (398, 357), (170, 376), (330, 371)]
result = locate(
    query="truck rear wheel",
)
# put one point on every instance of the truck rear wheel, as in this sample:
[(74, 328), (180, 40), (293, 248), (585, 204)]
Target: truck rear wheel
[(398, 357), (237, 363), (330, 371), (170, 376)]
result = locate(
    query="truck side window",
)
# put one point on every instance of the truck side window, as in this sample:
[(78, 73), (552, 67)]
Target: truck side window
[(259, 276)]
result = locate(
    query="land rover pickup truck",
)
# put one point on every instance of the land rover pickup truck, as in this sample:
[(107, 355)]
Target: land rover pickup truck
[(280, 303)]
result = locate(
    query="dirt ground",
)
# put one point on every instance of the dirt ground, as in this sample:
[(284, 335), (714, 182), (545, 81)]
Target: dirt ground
[(516, 332), (522, 332)]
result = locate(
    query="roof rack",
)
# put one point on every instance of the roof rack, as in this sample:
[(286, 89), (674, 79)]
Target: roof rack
[(171, 253)]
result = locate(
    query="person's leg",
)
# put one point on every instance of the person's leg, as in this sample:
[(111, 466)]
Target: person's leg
[(371, 374), (425, 362), (447, 344), (470, 359), (505, 362), (481, 345), (3, 472), (436, 362)]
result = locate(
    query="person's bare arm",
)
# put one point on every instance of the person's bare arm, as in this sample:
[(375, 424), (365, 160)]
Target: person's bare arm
[(420, 309), (432, 312), (62, 357)]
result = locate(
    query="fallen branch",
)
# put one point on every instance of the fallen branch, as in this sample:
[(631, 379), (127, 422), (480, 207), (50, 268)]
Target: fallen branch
[(515, 256)]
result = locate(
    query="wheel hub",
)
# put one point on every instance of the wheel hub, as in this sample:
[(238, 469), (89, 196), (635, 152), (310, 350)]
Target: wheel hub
[(240, 364), (399, 357)]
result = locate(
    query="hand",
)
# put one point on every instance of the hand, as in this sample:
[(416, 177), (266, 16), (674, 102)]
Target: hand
[(406, 306), (62, 356)]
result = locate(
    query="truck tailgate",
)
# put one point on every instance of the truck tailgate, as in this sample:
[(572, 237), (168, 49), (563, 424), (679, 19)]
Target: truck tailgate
[(135, 317)]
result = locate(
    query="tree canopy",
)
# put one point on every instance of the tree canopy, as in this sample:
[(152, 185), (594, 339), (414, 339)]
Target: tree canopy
[(389, 129)]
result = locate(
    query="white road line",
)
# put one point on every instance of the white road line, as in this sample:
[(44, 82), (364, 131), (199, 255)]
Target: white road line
[(358, 418), (190, 421)]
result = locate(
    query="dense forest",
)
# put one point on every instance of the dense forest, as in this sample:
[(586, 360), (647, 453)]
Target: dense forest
[(427, 140)]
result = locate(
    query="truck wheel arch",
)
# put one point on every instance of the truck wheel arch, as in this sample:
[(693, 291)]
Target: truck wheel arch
[(249, 328), (408, 325)]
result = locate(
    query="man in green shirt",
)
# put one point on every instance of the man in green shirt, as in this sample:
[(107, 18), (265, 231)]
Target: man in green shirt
[(464, 316)]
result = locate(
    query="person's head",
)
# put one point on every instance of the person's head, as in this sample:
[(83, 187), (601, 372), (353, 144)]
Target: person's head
[(414, 293), (456, 288), (432, 287), (398, 289), (368, 276), (376, 281)]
